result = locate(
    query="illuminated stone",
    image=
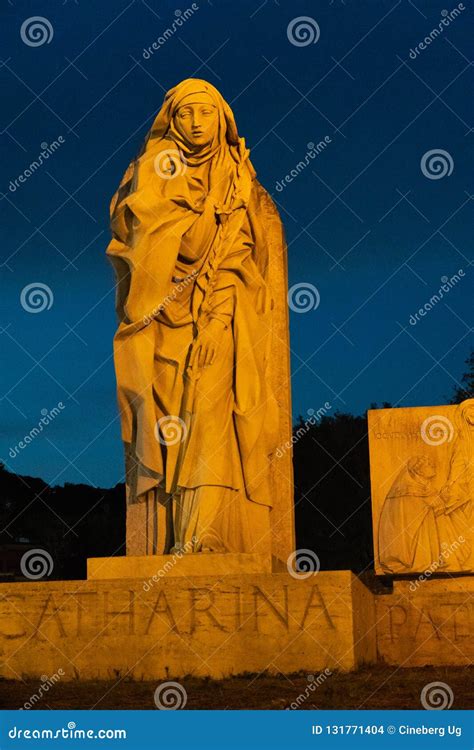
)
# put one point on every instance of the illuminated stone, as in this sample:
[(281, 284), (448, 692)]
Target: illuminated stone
[(213, 626), (201, 351), (422, 479)]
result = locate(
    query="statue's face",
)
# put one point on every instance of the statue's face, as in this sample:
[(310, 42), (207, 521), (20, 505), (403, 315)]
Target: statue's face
[(197, 119), (426, 471)]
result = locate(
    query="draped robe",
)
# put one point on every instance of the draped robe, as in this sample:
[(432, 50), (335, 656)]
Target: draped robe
[(408, 534)]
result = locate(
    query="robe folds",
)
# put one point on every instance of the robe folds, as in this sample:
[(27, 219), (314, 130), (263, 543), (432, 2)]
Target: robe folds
[(408, 532)]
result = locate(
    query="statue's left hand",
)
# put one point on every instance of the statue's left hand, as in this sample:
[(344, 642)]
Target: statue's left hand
[(206, 344)]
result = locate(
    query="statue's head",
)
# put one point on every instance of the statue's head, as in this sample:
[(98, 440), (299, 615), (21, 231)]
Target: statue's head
[(467, 412), (197, 119), (421, 466)]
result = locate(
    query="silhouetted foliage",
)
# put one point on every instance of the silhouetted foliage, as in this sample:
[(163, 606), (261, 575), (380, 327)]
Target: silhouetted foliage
[(466, 389), (72, 523), (332, 491)]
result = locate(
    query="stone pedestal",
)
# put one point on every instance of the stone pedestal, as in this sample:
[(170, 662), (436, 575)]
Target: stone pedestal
[(222, 624), (203, 625), (153, 568), (427, 622)]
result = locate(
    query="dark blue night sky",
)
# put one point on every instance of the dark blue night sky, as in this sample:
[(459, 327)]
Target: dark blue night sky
[(365, 225)]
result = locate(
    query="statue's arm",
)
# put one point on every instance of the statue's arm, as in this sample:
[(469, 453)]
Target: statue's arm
[(220, 303), (453, 491)]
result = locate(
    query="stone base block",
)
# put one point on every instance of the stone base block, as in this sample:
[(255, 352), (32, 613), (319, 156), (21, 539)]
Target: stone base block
[(427, 622), (152, 568), (208, 625)]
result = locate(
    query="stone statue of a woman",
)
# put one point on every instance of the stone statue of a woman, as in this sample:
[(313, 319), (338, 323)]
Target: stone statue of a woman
[(192, 258)]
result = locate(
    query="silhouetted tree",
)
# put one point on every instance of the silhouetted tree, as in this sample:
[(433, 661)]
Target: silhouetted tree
[(332, 491), (72, 523), (466, 389)]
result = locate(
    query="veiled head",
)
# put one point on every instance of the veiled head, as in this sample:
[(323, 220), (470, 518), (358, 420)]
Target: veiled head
[(421, 467), (198, 119), (467, 412)]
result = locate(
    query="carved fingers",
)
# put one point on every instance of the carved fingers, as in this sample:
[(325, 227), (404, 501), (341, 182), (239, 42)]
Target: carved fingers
[(206, 345)]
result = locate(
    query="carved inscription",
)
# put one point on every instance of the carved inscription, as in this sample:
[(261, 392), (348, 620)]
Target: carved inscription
[(183, 612), (452, 621)]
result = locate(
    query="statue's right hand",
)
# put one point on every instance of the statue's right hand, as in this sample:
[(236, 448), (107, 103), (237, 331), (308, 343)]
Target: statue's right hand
[(206, 344)]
